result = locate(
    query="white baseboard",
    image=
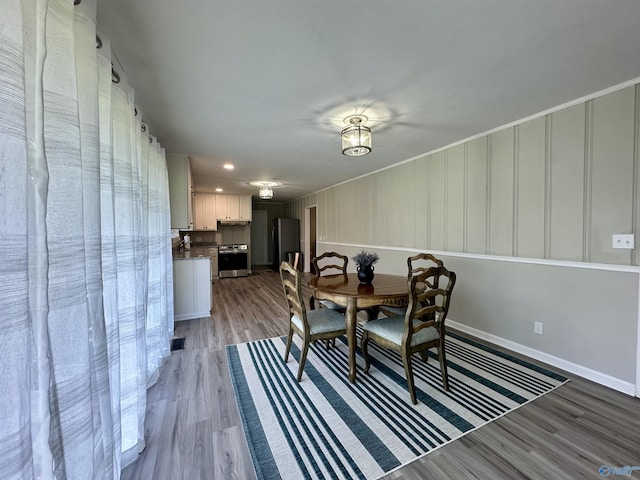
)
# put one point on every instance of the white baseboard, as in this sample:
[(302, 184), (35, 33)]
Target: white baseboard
[(191, 316), (589, 374)]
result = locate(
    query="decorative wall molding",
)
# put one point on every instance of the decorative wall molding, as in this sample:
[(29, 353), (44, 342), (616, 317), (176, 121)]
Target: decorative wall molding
[(588, 181), (497, 258), (548, 125), (515, 197)]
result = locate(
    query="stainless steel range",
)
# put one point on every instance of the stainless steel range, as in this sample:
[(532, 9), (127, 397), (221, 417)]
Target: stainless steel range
[(233, 260)]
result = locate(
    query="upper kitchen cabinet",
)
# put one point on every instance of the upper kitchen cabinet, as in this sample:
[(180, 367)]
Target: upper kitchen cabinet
[(205, 211), (246, 207), (180, 191), (233, 207), (222, 207)]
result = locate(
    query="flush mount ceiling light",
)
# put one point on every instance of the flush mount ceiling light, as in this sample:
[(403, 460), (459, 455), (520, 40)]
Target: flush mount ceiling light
[(356, 138), (266, 191)]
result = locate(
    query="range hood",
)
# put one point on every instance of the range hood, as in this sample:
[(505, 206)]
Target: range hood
[(233, 222)]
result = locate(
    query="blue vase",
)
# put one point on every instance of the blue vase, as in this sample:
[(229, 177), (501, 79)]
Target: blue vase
[(365, 274)]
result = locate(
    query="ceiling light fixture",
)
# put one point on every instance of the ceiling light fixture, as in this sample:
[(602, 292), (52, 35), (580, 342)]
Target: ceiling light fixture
[(265, 191), (356, 138), (228, 166)]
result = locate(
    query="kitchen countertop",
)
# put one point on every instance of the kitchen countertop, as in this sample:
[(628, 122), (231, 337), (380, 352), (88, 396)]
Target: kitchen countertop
[(195, 253)]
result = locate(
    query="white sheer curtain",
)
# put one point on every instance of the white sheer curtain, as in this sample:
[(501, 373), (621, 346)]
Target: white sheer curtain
[(86, 301)]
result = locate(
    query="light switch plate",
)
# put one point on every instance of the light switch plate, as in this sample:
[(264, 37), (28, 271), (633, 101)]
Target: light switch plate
[(623, 241)]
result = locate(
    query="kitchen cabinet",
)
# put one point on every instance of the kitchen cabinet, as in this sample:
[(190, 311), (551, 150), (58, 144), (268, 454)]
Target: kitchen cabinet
[(246, 207), (233, 207), (180, 191), (222, 207), (205, 211), (191, 288)]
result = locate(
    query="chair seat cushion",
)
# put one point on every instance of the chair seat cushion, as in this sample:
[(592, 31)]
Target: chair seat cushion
[(331, 305), (323, 320), (392, 329)]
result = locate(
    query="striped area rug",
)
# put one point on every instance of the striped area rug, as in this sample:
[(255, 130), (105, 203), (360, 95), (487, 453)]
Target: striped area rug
[(325, 427)]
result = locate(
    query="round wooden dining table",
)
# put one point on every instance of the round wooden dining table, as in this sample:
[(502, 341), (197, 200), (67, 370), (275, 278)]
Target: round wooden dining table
[(347, 291)]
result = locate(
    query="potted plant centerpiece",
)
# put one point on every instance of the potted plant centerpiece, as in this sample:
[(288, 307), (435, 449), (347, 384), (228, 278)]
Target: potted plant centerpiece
[(364, 264)]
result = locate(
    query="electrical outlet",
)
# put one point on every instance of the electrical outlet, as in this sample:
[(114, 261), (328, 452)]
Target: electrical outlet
[(623, 241), (537, 327)]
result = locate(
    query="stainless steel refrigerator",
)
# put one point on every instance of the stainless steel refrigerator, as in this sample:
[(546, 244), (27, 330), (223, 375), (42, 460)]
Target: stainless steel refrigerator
[(286, 239)]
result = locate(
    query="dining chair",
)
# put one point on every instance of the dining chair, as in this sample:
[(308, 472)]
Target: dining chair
[(421, 328), (328, 263), (320, 324), (415, 265), (339, 265)]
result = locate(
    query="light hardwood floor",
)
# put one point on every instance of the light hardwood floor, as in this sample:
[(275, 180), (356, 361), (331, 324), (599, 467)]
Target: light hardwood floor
[(193, 430)]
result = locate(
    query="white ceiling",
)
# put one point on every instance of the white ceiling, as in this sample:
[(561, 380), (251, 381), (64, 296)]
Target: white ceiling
[(266, 84)]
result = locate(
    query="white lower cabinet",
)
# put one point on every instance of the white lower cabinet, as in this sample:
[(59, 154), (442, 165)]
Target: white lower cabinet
[(191, 288)]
